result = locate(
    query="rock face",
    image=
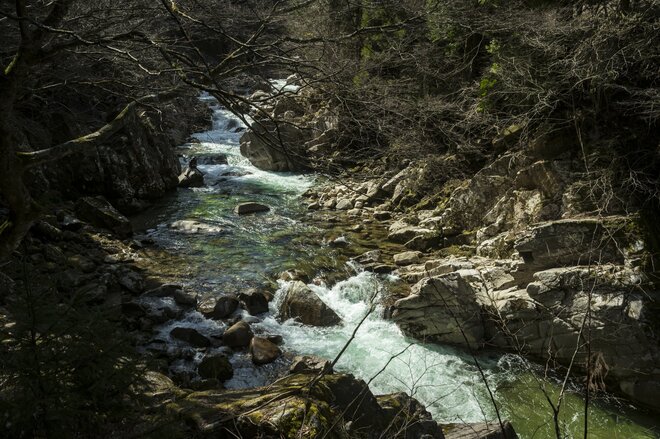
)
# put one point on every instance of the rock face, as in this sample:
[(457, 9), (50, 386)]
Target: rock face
[(137, 164), (291, 408), (99, 212), (302, 304), (437, 306), (546, 311)]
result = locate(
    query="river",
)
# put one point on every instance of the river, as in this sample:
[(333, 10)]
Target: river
[(249, 250)]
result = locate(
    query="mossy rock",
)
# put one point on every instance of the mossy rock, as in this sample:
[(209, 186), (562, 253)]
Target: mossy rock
[(295, 405)]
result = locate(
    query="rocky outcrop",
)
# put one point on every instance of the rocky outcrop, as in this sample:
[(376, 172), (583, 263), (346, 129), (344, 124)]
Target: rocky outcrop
[(546, 313), (514, 258), (136, 165), (302, 304)]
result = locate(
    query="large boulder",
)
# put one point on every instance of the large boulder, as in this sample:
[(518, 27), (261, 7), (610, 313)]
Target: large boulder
[(304, 305), (99, 212), (222, 307), (400, 409), (274, 146), (444, 309)]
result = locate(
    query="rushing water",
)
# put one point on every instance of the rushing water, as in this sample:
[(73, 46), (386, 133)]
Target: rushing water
[(250, 249)]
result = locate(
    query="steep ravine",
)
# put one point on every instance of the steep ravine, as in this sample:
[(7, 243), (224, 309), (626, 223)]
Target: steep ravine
[(226, 253)]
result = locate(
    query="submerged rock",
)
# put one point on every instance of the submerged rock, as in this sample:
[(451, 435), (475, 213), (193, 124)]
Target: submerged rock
[(195, 227), (250, 207), (302, 304), (263, 351)]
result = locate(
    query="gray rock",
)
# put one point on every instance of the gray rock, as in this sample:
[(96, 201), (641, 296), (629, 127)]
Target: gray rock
[(238, 336), (215, 366), (572, 242), (339, 242), (247, 208), (344, 204), (437, 306), (99, 212), (302, 304), (407, 258), (263, 351), (275, 146)]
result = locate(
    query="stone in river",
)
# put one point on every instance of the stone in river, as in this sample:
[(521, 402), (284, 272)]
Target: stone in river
[(191, 177), (238, 336), (263, 351), (250, 207), (304, 305)]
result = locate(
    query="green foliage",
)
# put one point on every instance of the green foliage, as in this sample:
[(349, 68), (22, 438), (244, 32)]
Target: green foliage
[(66, 368)]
